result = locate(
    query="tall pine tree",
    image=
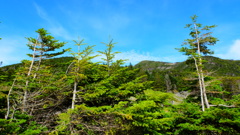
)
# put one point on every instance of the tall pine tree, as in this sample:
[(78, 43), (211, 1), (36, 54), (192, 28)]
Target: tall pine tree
[(197, 46)]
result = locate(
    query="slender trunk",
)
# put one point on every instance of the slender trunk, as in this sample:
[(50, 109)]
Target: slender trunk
[(37, 69), (32, 62), (39, 63), (200, 85), (108, 66), (200, 70), (74, 94), (25, 101), (27, 82), (75, 88), (14, 109), (198, 43), (8, 100), (75, 82), (204, 90), (69, 67)]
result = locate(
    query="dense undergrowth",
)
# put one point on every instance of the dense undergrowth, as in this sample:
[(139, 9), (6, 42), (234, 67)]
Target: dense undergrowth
[(129, 101)]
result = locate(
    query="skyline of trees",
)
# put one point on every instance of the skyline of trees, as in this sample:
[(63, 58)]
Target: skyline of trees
[(74, 95)]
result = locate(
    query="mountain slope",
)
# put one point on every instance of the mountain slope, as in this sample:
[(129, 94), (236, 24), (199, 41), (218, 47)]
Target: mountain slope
[(218, 67)]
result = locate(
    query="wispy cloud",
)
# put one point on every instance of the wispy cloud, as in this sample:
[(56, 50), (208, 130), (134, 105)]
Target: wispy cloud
[(233, 52), (53, 26), (42, 13), (109, 23)]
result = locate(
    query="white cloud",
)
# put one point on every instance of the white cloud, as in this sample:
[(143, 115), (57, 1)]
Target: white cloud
[(12, 50), (235, 49), (136, 57), (60, 31), (233, 52)]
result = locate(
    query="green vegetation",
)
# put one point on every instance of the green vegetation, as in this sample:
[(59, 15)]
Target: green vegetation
[(74, 95)]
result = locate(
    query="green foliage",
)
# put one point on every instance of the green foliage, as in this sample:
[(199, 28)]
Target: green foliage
[(45, 44), (79, 65), (150, 114), (36, 86), (126, 103), (81, 61), (3, 99), (217, 101), (45, 83), (235, 100), (158, 96), (21, 125), (119, 86), (64, 122), (190, 120), (218, 67), (108, 53), (89, 121), (201, 37)]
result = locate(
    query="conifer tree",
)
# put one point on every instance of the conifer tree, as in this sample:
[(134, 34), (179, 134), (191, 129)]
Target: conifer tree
[(42, 48), (81, 62), (109, 56), (46, 45), (196, 47)]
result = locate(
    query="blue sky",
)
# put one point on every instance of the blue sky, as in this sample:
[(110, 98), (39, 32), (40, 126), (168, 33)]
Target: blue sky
[(143, 29)]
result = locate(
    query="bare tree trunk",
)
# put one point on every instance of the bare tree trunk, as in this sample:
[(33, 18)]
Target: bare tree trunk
[(69, 67), (200, 72), (24, 107), (14, 109), (200, 85), (108, 66), (39, 63), (8, 100), (75, 83), (75, 88), (204, 90), (74, 94), (27, 82)]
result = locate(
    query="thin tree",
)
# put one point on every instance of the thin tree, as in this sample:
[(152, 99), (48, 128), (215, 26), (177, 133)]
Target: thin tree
[(28, 74), (42, 48), (109, 56), (81, 62), (46, 45), (197, 46)]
